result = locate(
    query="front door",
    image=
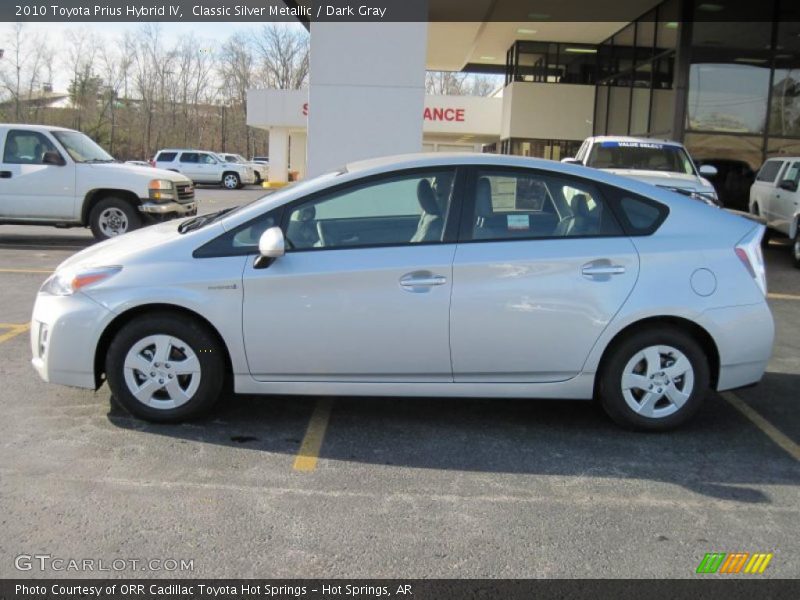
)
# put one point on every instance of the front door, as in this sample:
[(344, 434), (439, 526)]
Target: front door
[(544, 269), (30, 189), (363, 292)]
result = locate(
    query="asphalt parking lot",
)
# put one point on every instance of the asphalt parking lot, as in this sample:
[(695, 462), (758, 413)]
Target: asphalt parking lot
[(346, 487)]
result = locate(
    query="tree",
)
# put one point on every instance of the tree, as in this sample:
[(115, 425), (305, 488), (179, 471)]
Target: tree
[(282, 54), (21, 70)]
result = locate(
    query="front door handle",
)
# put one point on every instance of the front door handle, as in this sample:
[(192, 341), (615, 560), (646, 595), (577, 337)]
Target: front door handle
[(413, 280), (5, 174), (600, 270)]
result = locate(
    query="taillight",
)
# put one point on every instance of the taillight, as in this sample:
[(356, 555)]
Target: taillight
[(152, 162), (748, 250)]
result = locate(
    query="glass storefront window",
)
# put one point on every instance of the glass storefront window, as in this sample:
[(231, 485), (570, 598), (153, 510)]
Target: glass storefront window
[(783, 147), (784, 117), (619, 104), (730, 97), (600, 109)]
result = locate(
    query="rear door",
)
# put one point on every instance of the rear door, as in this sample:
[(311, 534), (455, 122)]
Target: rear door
[(31, 189), (541, 269)]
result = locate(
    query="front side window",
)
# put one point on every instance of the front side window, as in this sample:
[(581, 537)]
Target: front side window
[(642, 156), (26, 148), (81, 147), (793, 173), (769, 171), (528, 204), (400, 209), (206, 159)]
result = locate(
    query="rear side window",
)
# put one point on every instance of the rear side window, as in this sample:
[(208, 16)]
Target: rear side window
[(189, 157), (166, 156), (639, 215), (769, 171)]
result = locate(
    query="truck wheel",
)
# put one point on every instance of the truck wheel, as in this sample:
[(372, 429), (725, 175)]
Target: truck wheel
[(796, 250), (231, 181), (112, 217)]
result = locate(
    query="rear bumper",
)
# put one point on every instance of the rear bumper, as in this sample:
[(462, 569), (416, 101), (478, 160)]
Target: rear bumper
[(744, 337)]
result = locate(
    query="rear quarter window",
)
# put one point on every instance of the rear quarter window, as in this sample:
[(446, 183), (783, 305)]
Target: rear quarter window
[(769, 171), (166, 156), (637, 214)]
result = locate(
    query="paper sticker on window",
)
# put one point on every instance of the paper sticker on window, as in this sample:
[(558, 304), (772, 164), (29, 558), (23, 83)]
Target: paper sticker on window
[(518, 222)]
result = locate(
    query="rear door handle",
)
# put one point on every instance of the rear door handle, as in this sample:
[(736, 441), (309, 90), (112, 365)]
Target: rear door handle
[(595, 270), (412, 281)]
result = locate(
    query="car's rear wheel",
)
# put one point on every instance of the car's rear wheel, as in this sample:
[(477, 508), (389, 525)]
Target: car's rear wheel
[(654, 380), (231, 181), (111, 217), (165, 367), (796, 249)]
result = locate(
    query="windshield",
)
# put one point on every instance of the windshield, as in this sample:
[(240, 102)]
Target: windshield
[(81, 147), (642, 156)]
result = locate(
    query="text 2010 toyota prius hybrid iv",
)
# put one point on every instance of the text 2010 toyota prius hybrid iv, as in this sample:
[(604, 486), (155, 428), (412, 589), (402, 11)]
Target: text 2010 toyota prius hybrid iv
[(422, 275)]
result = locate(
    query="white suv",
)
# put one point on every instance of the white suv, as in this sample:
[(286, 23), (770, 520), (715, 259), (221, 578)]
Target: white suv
[(663, 163), (775, 197), (260, 169), (56, 176), (202, 166)]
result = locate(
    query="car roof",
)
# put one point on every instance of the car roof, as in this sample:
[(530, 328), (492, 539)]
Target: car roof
[(35, 127), (184, 150)]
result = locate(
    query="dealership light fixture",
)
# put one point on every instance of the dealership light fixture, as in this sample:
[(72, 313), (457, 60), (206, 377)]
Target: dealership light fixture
[(754, 61), (710, 7), (527, 31), (581, 50), (671, 25), (488, 57)]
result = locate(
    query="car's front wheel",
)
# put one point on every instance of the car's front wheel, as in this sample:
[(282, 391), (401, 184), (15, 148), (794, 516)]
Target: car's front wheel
[(165, 367), (654, 380), (231, 181)]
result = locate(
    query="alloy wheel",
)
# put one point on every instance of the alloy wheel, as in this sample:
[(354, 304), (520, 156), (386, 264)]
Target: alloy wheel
[(657, 381), (230, 182)]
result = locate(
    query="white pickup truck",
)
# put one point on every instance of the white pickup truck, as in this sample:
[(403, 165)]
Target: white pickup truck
[(775, 196), (60, 177)]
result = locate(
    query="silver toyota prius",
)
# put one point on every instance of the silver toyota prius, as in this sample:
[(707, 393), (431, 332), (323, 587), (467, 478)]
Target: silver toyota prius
[(422, 275)]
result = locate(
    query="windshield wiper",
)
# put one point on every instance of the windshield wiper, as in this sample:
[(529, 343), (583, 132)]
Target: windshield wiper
[(202, 220)]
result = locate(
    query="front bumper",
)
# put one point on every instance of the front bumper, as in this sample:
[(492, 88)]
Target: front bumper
[(189, 209), (65, 331)]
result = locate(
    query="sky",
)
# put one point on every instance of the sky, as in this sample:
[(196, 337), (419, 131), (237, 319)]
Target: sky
[(56, 34)]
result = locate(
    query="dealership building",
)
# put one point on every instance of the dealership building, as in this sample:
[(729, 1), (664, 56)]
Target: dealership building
[(721, 76)]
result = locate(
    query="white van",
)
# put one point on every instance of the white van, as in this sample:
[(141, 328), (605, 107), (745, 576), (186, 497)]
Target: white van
[(774, 196), (56, 176)]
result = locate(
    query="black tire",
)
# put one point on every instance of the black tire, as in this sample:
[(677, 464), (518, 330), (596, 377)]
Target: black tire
[(610, 386), (796, 249), (231, 180), (111, 215), (258, 179), (199, 342)]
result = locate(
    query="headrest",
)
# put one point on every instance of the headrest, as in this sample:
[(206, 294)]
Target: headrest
[(580, 206), (426, 198), (307, 213), (483, 198)]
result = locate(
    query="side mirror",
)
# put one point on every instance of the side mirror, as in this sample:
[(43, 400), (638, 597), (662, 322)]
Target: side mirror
[(271, 245), (570, 161), (53, 158), (788, 185), (708, 170)]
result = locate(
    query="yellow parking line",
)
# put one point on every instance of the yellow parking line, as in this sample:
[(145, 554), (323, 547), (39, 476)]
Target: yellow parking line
[(39, 271), (783, 297), (765, 426), (16, 329), (307, 455)]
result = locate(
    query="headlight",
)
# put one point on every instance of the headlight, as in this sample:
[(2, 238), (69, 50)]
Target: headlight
[(161, 189), (66, 283)]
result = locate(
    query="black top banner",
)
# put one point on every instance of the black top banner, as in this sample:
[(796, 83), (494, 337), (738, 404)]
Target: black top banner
[(732, 588), (309, 11)]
